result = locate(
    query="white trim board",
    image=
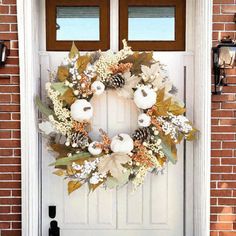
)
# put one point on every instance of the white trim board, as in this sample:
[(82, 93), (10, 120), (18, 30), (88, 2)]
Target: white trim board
[(29, 75)]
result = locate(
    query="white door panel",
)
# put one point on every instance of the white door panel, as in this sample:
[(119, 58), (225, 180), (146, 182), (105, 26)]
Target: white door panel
[(156, 208)]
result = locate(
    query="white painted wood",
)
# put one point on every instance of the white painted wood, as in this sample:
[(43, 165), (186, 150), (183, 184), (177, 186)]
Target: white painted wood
[(29, 76), (27, 29), (152, 207), (202, 116)]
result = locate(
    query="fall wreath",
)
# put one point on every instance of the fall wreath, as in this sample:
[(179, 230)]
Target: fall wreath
[(112, 162)]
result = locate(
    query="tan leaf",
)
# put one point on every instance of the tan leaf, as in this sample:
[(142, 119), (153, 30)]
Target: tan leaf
[(82, 63), (58, 172), (74, 51), (130, 83), (192, 135), (70, 171), (176, 109), (62, 73), (68, 96), (113, 164), (73, 185)]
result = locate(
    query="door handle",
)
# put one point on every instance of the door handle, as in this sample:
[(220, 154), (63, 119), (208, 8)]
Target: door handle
[(54, 230)]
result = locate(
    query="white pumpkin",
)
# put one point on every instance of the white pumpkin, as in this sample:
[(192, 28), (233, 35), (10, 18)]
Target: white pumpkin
[(81, 110), (145, 97), (144, 120), (122, 143), (94, 149), (97, 87)]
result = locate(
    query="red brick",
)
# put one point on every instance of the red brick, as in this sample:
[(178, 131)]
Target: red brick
[(5, 98), (4, 27), (10, 201), (4, 9), (9, 108), (4, 193), (4, 209), (223, 18), (223, 1), (221, 169), (222, 136), (16, 209), (9, 1), (221, 113), (221, 193), (10, 125), (216, 9), (8, 19), (5, 134), (228, 161), (6, 152), (10, 160), (222, 226), (229, 145), (5, 225), (228, 122), (11, 233), (228, 9), (226, 185), (227, 233)]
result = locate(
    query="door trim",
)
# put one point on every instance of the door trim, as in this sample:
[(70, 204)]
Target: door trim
[(27, 14)]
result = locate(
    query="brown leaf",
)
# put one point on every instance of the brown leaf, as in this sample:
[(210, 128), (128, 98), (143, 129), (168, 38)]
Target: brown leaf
[(74, 51), (62, 73), (92, 187), (113, 164), (82, 63), (138, 59), (68, 96), (73, 185), (61, 149)]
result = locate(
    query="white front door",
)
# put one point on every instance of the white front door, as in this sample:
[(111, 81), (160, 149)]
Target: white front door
[(158, 207)]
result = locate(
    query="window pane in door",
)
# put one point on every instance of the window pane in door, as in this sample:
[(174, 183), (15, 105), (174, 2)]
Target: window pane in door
[(151, 23), (78, 23)]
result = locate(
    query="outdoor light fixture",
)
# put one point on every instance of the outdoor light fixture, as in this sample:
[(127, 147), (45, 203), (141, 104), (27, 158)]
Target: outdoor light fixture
[(3, 53), (223, 58)]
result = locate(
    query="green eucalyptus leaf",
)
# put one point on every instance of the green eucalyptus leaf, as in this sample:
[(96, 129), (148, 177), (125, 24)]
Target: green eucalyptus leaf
[(42, 108), (60, 87), (67, 160)]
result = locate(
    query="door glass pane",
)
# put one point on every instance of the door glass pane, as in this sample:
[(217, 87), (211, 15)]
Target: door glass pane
[(78, 23), (151, 23)]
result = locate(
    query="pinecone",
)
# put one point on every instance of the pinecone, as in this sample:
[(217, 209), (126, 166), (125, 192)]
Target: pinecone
[(79, 140), (141, 134), (116, 81)]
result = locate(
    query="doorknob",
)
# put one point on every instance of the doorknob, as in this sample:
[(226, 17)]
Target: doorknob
[(54, 230)]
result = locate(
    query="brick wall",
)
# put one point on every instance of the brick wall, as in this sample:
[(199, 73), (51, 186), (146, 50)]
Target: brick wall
[(10, 200), (223, 155), (223, 191)]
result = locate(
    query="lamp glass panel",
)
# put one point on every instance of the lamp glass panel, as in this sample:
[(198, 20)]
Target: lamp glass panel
[(227, 56), (151, 23), (78, 23)]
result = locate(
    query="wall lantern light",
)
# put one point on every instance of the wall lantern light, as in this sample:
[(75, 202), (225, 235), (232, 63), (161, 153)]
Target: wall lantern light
[(3, 53), (223, 58)]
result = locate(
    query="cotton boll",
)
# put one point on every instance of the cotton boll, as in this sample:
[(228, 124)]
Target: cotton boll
[(145, 97), (94, 149), (144, 120), (81, 110), (98, 87), (122, 143)]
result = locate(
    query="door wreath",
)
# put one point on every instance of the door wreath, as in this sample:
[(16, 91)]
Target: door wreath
[(112, 162)]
